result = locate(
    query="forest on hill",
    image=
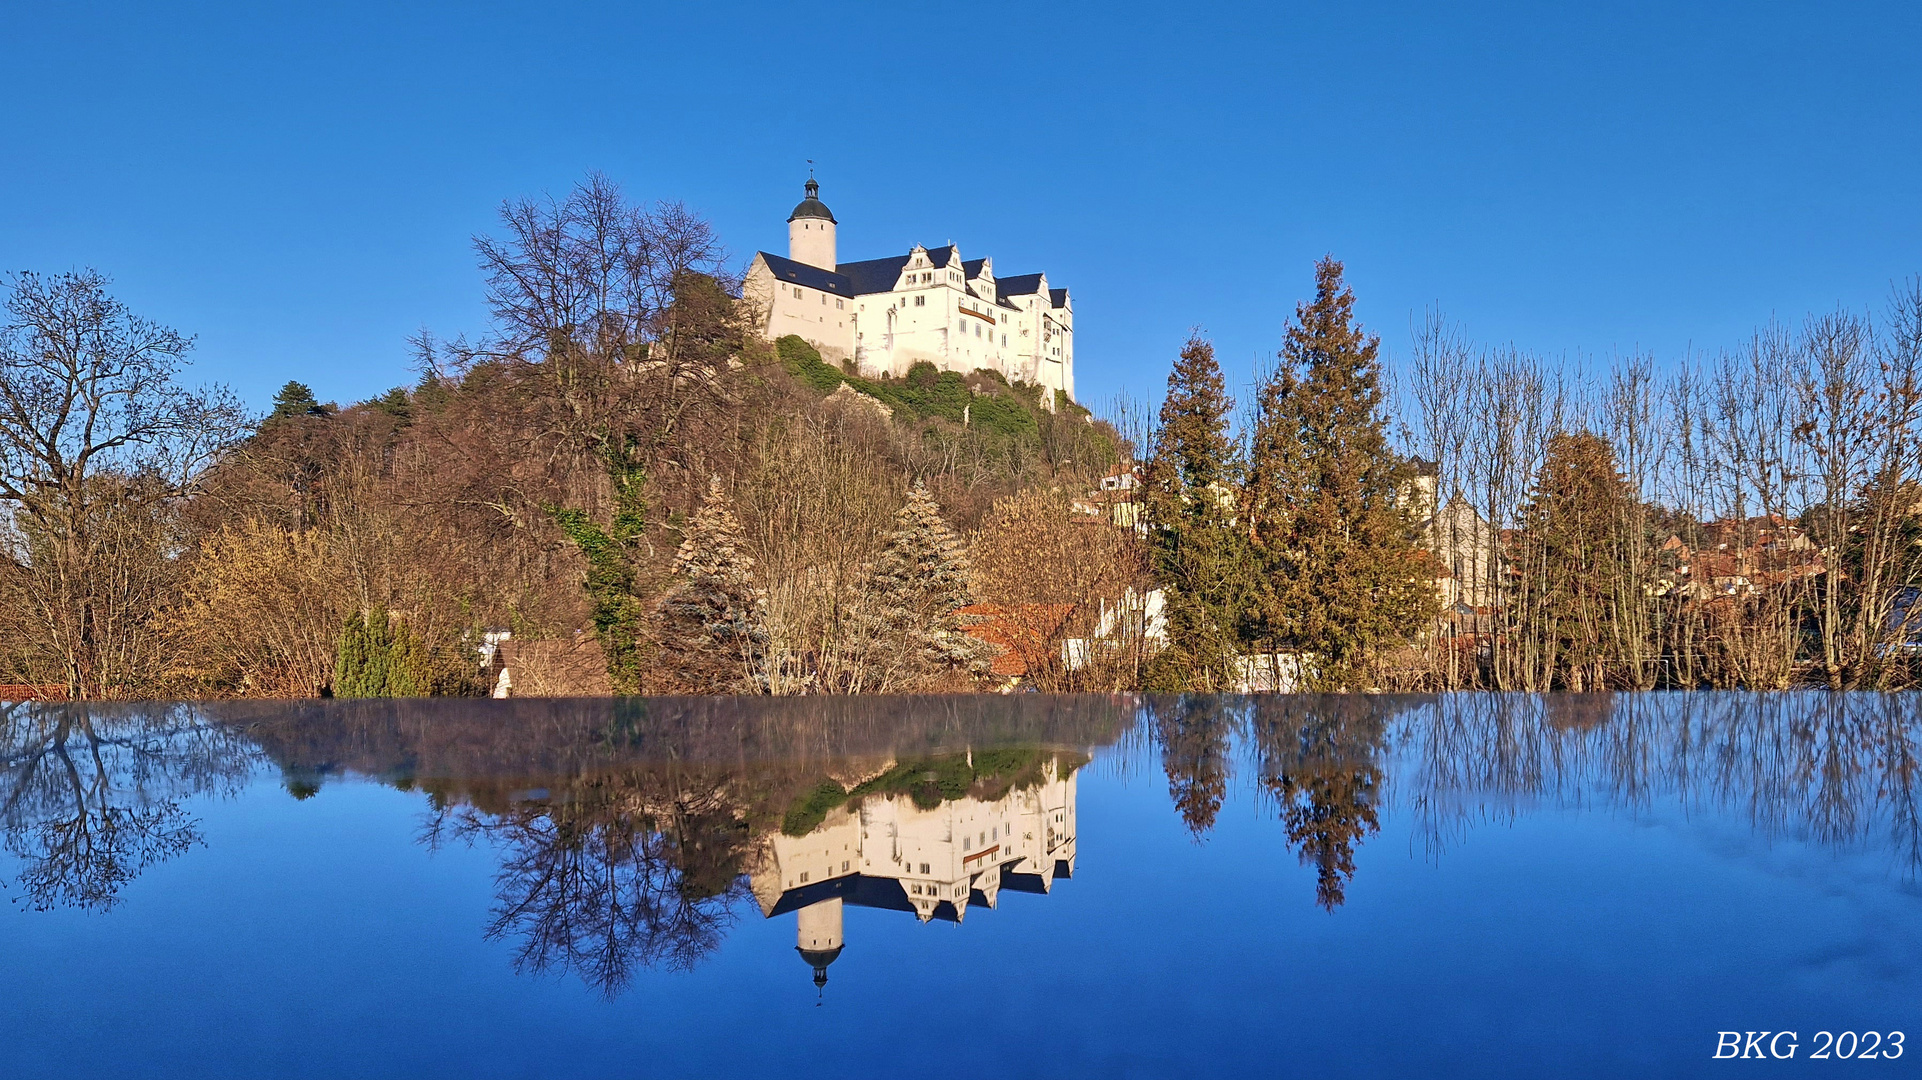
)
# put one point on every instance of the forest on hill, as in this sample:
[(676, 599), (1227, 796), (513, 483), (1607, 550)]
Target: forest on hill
[(621, 426), (621, 487)]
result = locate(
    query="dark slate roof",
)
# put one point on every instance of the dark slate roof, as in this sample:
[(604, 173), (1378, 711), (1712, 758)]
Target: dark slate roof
[(812, 206), (874, 275), (811, 276), (1019, 285), (972, 268), (1027, 883), (856, 889), (1058, 297), (940, 256)]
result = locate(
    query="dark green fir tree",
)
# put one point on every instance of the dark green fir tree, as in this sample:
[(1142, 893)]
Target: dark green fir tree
[(1200, 557), (1331, 512)]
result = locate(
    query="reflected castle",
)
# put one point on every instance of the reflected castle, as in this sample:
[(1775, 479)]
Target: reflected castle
[(894, 853)]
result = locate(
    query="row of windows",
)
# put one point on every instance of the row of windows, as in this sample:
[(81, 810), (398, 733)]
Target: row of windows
[(965, 323), (824, 299), (844, 869)]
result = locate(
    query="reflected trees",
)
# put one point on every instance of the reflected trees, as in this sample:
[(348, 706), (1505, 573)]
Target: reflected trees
[(1833, 769), (612, 874), (1318, 757), (90, 796), (1193, 732)]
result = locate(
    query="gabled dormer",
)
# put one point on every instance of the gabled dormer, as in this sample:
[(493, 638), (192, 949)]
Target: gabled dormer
[(947, 266), (980, 276), (913, 270)]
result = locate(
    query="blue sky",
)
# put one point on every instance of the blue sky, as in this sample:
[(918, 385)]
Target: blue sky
[(297, 185)]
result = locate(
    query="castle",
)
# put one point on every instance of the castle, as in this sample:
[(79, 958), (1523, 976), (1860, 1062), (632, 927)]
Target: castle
[(886, 315)]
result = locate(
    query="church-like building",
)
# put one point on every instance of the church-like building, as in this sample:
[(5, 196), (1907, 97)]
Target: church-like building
[(888, 314)]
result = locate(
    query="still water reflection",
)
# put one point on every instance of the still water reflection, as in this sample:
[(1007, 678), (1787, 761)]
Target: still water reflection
[(631, 839)]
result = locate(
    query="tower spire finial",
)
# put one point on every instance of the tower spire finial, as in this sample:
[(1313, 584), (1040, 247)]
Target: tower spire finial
[(813, 187)]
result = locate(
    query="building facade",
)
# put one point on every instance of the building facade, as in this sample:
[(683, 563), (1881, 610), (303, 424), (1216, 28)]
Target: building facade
[(931, 304)]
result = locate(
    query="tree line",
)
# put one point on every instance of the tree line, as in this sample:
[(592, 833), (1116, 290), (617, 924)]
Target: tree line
[(622, 478), (1751, 519)]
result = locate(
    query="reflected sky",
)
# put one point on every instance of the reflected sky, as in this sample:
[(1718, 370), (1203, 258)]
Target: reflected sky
[(1456, 885)]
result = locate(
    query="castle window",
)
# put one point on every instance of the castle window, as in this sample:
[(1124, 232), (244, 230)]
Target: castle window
[(1004, 341), (824, 298), (921, 301), (837, 305), (797, 292)]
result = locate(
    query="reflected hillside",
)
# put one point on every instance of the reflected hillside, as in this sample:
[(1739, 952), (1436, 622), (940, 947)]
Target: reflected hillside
[(632, 834)]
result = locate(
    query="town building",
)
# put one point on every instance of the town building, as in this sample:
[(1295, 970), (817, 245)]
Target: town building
[(889, 853), (886, 315)]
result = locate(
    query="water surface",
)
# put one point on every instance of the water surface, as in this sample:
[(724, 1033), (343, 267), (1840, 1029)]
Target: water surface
[(1467, 885)]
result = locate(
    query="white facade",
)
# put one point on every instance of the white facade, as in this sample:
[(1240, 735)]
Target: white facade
[(930, 305), (890, 853)]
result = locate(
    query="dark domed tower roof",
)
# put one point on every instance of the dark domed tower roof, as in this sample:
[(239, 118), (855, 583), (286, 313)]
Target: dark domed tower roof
[(812, 206), (819, 959)]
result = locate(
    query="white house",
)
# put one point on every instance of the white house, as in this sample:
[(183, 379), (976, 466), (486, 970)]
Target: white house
[(930, 304), (889, 853)]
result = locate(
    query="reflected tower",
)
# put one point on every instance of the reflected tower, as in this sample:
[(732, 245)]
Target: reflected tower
[(818, 936)]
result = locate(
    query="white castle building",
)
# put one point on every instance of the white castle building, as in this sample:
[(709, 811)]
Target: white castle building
[(889, 853), (930, 304)]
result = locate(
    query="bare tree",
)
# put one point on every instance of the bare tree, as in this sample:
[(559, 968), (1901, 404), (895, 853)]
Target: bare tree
[(97, 442)]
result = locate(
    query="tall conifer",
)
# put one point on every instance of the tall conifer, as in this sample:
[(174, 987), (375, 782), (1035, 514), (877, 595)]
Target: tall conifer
[(1575, 566), (1343, 573), (1200, 558), (911, 615), (713, 620)]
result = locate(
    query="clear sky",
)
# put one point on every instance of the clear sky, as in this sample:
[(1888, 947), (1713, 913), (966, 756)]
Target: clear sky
[(297, 185)]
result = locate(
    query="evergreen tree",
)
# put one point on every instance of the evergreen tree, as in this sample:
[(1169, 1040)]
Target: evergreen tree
[(910, 615), (1572, 562), (713, 620), (379, 657), (1199, 555), (295, 399), (1343, 572)]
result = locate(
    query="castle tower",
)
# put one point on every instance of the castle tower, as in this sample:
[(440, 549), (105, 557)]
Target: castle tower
[(818, 933), (810, 230)]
